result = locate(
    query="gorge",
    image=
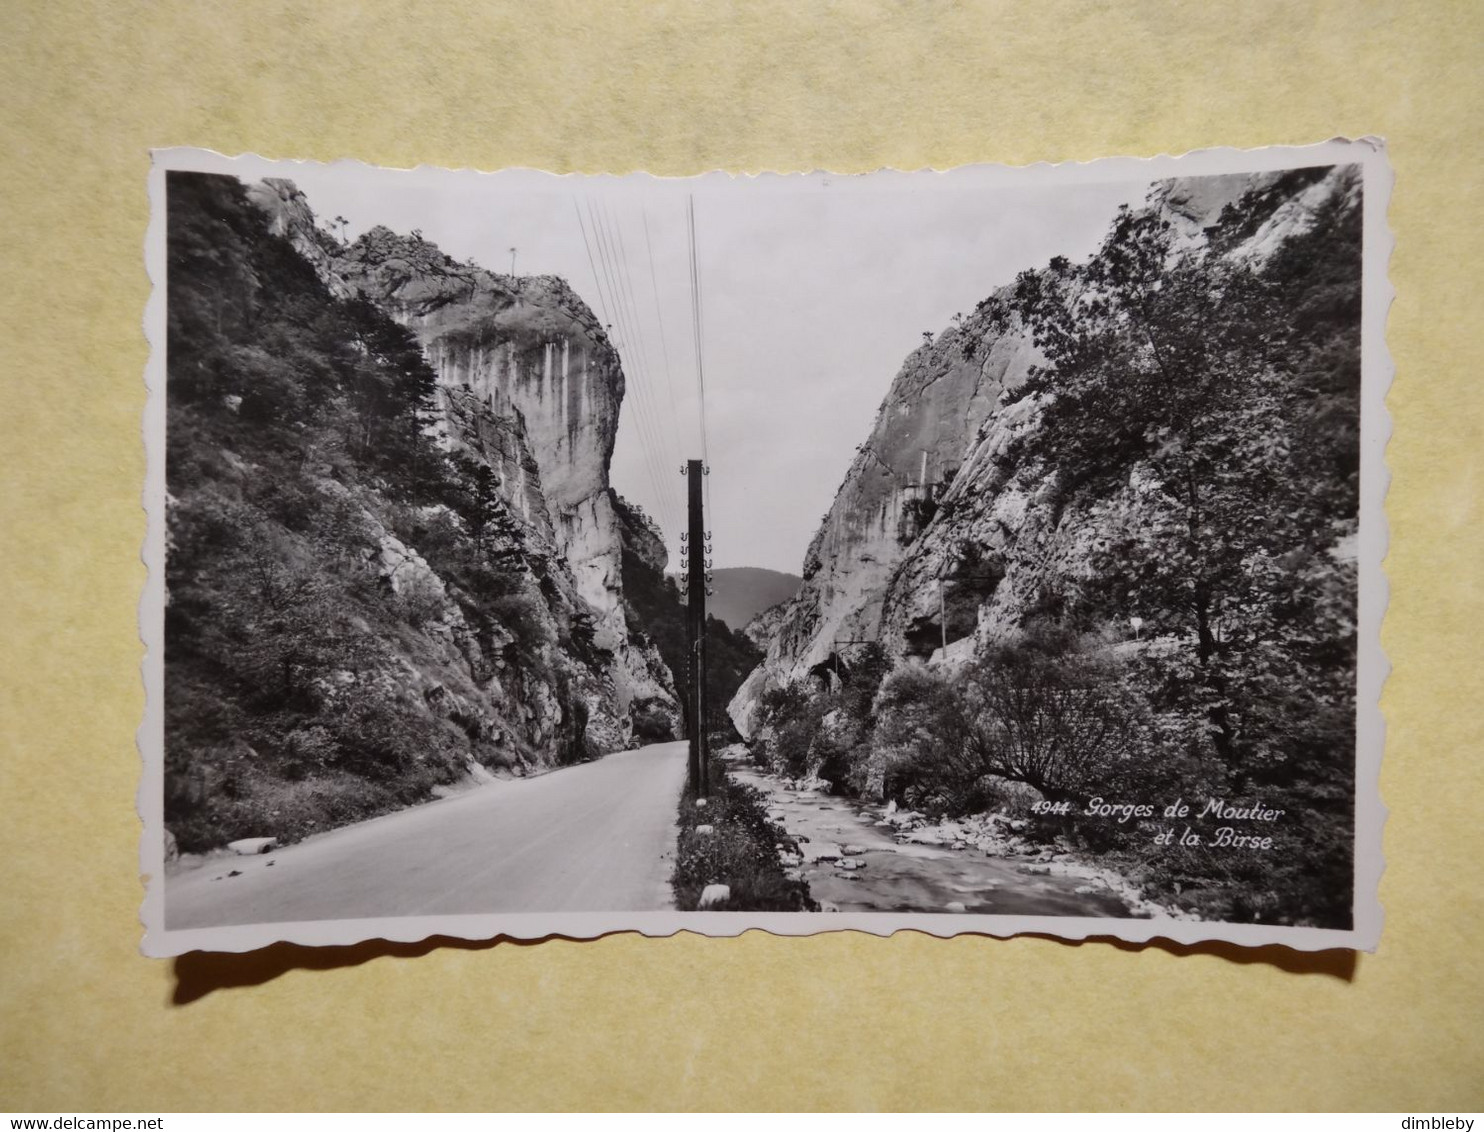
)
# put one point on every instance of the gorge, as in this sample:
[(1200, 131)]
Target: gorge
[(395, 557), (1102, 531)]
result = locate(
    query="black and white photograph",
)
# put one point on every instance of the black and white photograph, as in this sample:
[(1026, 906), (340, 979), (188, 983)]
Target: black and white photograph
[(992, 550)]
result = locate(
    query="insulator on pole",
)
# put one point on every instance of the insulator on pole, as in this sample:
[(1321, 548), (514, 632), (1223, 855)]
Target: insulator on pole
[(683, 470)]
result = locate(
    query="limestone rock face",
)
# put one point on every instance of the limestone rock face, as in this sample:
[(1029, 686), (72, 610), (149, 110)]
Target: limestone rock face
[(931, 535), (646, 683), (761, 628), (290, 216), (641, 537), (531, 386), (527, 350)]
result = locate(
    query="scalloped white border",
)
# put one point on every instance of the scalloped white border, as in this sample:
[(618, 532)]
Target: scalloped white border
[(1377, 373)]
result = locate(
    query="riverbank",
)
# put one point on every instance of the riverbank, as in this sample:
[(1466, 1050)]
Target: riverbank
[(730, 857), (860, 857)]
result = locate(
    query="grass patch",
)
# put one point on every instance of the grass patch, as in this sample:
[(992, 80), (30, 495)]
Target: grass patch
[(741, 852)]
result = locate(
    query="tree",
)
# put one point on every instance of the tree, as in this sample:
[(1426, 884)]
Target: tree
[(1165, 388), (1055, 719), (1203, 406), (289, 625), (572, 730), (480, 503), (920, 745)]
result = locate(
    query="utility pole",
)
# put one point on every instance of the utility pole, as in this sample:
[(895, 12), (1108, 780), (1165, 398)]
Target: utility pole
[(943, 612), (695, 546), (922, 480), (512, 263)]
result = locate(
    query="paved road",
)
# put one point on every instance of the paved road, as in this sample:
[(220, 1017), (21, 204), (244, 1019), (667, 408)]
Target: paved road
[(594, 837)]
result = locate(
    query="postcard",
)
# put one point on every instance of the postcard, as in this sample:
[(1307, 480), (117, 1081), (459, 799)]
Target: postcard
[(994, 550)]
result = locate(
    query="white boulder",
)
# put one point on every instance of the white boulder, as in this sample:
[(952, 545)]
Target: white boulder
[(714, 894), (252, 846)]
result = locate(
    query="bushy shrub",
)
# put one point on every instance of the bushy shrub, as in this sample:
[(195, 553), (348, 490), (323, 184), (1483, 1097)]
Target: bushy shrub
[(1049, 714), (652, 723), (527, 619), (790, 746), (421, 604), (292, 809), (921, 741), (307, 750), (383, 740)]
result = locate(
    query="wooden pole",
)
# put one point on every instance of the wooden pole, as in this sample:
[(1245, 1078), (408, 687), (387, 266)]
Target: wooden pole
[(696, 624), (943, 614)]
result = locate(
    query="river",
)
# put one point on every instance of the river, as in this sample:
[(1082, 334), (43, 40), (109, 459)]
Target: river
[(854, 860)]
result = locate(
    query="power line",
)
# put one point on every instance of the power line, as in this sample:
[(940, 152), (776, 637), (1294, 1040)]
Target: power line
[(644, 415), (641, 423), (622, 288), (603, 304), (588, 248), (651, 393), (637, 319), (660, 321), (626, 302), (698, 333), (627, 291)]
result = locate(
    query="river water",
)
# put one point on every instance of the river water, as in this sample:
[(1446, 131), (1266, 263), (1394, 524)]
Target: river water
[(855, 862)]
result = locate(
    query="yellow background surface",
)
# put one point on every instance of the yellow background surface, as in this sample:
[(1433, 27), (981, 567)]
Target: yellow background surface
[(839, 1020)]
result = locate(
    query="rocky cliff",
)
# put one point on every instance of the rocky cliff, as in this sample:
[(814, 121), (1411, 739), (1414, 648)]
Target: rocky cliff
[(938, 533), (393, 556), (529, 384)]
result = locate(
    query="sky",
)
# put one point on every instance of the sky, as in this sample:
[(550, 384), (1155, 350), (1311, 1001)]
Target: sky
[(813, 291)]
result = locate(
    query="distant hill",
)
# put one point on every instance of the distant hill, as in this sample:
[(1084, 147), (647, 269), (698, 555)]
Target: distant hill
[(742, 592)]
